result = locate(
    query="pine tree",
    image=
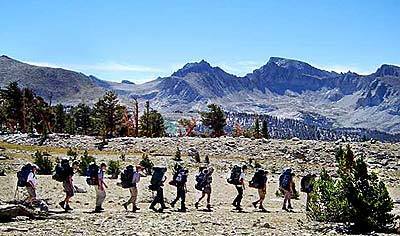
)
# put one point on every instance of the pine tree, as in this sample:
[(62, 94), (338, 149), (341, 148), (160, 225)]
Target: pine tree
[(264, 129), (357, 198), (256, 128), (214, 119), (60, 117), (81, 114), (107, 114), (12, 96), (151, 123)]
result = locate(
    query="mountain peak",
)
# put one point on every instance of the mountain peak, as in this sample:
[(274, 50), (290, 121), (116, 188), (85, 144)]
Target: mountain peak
[(194, 67), (288, 63), (388, 70), (5, 57)]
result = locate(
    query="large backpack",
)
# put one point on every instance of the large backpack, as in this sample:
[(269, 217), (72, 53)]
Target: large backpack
[(127, 177), (157, 177), (23, 174), (61, 171), (92, 174), (181, 177), (285, 179), (306, 183), (200, 181), (234, 178), (259, 179)]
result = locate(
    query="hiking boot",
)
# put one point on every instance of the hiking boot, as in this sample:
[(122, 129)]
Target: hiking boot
[(196, 205), (153, 209), (62, 204), (284, 208), (68, 208), (135, 208), (263, 209), (125, 206), (97, 210), (239, 208), (255, 204), (209, 207), (182, 210), (290, 207)]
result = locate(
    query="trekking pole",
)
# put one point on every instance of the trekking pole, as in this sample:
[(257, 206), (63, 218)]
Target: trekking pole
[(15, 194)]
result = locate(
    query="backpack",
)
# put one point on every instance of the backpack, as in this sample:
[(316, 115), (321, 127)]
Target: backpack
[(127, 176), (92, 174), (285, 179), (259, 179), (181, 177), (306, 183), (61, 171), (200, 181), (23, 174), (234, 178), (157, 177)]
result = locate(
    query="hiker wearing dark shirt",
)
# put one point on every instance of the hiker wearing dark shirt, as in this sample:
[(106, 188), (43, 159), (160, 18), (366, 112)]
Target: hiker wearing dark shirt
[(240, 188), (69, 186), (262, 191), (100, 188), (307, 184), (180, 180), (286, 186)]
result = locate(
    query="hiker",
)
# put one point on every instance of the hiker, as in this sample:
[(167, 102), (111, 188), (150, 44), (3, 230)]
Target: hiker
[(31, 184), (156, 184), (204, 180), (307, 184), (259, 182), (100, 188), (68, 184), (180, 180), (237, 178), (133, 189), (286, 186)]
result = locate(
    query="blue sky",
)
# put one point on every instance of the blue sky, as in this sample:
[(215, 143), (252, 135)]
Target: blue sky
[(141, 40)]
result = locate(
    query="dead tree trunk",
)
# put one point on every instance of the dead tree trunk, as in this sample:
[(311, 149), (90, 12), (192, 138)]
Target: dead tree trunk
[(9, 212)]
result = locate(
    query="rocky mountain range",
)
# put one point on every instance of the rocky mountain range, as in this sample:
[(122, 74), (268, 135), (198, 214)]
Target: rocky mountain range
[(282, 87)]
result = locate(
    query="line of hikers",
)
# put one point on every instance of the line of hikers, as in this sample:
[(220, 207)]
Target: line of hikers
[(130, 178)]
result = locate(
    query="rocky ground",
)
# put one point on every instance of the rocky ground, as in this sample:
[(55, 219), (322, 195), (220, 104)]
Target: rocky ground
[(303, 156)]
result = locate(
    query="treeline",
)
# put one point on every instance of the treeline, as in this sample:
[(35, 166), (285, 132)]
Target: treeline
[(281, 128), (23, 111)]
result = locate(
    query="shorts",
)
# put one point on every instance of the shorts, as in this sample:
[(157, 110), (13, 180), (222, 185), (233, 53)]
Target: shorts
[(31, 191), (207, 190), (68, 188)]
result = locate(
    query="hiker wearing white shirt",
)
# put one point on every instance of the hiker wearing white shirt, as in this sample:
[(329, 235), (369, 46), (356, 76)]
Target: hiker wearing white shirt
[(31, 184), (134, 190)]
